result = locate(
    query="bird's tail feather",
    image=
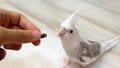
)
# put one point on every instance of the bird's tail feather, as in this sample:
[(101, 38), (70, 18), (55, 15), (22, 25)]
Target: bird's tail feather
[(107, 45)]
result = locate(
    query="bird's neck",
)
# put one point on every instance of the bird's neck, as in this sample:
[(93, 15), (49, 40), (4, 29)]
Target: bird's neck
[(71, 43), (70, 46)]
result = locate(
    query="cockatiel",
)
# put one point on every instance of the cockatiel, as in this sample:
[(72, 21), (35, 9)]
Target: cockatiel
[(80, 50)]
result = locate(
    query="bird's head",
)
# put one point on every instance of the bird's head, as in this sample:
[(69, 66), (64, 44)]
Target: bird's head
[(68, 30)]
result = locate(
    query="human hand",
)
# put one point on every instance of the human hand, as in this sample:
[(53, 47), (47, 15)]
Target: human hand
[(16, 29)]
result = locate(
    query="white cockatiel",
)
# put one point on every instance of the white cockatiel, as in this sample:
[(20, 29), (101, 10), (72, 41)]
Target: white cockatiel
[(78, 49)]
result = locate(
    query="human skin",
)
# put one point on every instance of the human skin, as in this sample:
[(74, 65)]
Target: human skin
[(16, 29)]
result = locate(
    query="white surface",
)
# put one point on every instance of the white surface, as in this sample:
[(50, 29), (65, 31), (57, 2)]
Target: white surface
[(97, 20)]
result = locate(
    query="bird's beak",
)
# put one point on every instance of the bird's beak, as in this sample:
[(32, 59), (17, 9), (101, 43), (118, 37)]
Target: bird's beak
[(61, 32)]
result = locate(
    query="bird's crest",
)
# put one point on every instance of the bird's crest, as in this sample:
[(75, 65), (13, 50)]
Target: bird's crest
[(70, 21)]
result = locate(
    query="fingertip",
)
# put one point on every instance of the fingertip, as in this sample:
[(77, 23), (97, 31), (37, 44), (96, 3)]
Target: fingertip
[(36, 35), (13, 46), (36, 43)]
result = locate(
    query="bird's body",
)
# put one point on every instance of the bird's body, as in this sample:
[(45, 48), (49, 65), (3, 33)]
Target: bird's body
[(80, 50)]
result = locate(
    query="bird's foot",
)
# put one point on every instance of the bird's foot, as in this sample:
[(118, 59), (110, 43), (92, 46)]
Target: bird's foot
[(82, 66), (66, 63)]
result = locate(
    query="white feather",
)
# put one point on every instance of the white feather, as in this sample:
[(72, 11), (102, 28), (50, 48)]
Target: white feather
[(70, 22), (71, 42), (107, 45)]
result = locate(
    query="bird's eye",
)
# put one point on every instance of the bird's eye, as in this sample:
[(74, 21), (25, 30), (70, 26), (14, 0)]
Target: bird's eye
[(71, 31)]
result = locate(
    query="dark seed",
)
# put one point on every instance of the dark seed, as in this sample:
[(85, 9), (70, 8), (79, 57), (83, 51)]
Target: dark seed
[(2, 53), (43, 35)]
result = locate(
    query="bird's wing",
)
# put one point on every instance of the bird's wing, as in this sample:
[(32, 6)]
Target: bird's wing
[(89, 50)]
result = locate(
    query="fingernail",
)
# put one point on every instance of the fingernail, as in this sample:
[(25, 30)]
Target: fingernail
[(36, 35)]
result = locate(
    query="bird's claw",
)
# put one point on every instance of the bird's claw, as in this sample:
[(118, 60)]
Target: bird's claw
[(66, 63)]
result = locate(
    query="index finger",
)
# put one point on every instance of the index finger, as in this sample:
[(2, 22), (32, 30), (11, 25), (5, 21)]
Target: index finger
[(27, 24), (16, 19)]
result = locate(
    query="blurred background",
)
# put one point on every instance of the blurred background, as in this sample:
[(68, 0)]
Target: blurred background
[(97, 20)]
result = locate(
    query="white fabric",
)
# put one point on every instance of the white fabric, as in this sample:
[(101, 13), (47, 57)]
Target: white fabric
[(97, 20)]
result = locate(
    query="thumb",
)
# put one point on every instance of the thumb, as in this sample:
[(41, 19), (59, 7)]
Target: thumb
[(18, 36)]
